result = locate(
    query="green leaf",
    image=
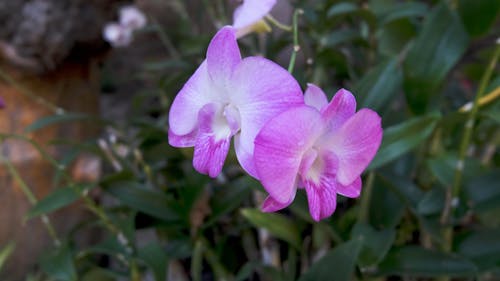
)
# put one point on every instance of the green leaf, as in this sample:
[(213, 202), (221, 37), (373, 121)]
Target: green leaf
[(59, 264), (62, 118), (432, 202), (482, 247), (438, 47), (401, 138), (379, 85), (154, 256), (376, 244), (483, 192), (5, 252), (340, 37), (277, 224), (478, 16), (394, 37), (59, 198), (386, 204), (404, 10), (341, 8), (339, 263), (149, 201), (420, 262)]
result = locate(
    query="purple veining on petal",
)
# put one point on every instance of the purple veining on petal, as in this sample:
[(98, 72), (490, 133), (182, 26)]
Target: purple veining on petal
[(322, 147)]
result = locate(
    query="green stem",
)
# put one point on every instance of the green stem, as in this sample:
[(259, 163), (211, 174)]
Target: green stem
[(7, 78), (453, 193), (366, 198), (31, 198), (165, 40), (89, 203), (278, 24), (296, 46)]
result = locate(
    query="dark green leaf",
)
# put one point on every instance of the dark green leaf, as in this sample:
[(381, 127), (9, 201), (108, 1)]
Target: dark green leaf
[(376, 244), (277, 224), (420, 262), (339, 37), (59, 264), (341, 8), (438, 47), (59, 198), (483, 191), (339, 263), (404, 10), (155, 257), (403, 137), (379, 85), (394, 37), (149, 201), (483, 247), (432, 202), (478, 16)]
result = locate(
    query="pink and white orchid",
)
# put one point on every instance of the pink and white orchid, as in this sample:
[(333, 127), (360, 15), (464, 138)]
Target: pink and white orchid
[(250, 13), (320, 146), (229, 96)]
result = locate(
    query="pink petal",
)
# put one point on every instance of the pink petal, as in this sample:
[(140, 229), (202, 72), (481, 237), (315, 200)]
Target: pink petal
[(262, 90), (352, 190), (271, 205), (322, 199), (341, 108), (211, 145), (355, 144), (315, 97), (279, 148), (188, 140), (251, 11), (198, 91), (223, 55)]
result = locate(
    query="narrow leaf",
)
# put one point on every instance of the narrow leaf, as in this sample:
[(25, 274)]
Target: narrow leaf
[(59, 198), (420, 262), (278, 225), (403, 137), (338, 264)]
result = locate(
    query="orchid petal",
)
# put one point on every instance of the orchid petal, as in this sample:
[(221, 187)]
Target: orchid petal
[(223, 55), (262, 90), (355, 144), (322, 199), (212, 142), (340, 109), (315, 97), (187, 140), (352, 190), (251, 11), (279, 148), (271, 205), (198, 91)]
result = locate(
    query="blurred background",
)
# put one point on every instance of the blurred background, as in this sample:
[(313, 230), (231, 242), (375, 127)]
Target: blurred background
[(91, 190)]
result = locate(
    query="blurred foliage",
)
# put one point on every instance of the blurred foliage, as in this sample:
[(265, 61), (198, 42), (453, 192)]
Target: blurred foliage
[(415, 62)]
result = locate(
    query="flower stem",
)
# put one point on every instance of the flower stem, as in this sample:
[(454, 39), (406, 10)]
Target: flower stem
[(454, 192), (278, 24), (52, 107), (31, 198), (296, 46)]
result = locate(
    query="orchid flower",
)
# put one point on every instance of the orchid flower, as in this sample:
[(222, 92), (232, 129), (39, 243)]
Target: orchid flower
[(132, 17), (249, 14), (229, 96), (320, 146)]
